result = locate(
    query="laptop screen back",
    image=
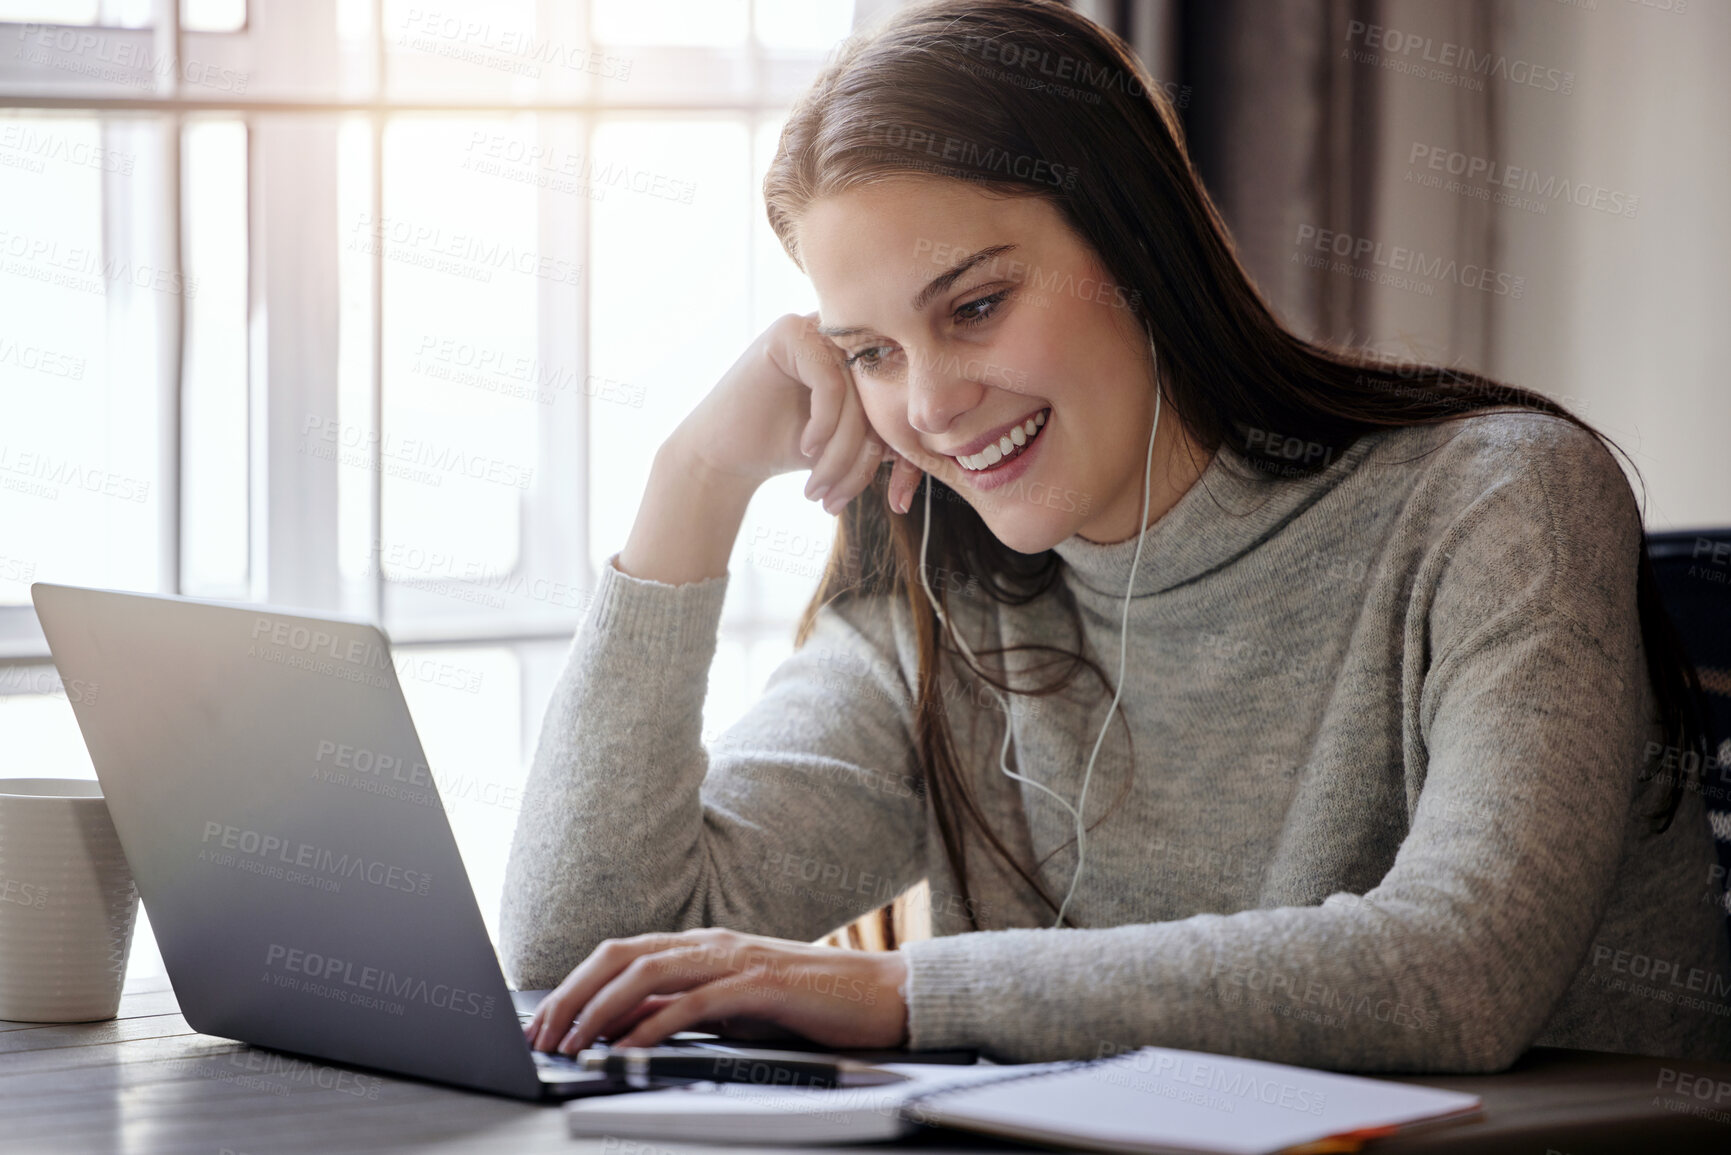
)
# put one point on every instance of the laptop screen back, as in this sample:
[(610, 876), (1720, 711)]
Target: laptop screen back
[(286, 834)]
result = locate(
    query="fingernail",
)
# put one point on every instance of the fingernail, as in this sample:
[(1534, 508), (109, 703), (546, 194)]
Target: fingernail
[(817, 494)]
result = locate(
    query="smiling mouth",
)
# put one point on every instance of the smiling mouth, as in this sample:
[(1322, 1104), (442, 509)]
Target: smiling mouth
[(1008, 447)]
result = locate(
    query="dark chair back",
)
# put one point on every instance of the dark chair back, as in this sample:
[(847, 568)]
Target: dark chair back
[(1694, 572)]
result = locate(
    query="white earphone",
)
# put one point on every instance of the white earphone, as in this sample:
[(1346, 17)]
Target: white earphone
[(1076, 811)]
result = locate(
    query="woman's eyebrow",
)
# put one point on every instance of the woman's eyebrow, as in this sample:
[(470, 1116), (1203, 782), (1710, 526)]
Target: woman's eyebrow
[(937, 285), (945, 279)]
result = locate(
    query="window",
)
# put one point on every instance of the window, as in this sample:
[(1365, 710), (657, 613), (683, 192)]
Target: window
[(384, 314)]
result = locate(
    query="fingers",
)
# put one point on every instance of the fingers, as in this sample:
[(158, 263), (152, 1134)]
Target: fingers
[(842, 455), (738, 996), (837, 434), (661, 973), (818, 364), (642, 1011), (850, 462), (865, 467), (553, 1018), (871, 456), (638, 991), (904, 479)]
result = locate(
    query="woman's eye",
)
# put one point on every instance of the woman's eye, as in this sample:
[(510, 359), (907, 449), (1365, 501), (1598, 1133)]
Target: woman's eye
[(978, 310), (869, 359)]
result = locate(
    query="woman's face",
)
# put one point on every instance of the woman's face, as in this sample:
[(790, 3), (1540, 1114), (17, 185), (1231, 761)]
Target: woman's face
[(969, 320)]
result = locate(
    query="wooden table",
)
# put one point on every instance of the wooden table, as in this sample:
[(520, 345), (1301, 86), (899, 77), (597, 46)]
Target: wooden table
[(145, 1084)]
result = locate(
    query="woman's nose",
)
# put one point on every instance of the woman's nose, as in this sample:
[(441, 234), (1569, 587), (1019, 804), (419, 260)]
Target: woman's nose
[(939, 392)]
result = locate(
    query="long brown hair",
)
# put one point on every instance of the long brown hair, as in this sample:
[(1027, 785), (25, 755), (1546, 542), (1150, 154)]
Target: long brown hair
[(1028, 98)]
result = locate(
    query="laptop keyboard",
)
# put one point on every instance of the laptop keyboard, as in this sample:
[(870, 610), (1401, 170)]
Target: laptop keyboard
[(556, 1062)]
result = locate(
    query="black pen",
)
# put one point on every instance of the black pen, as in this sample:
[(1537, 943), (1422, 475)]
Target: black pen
[(638, 1065)]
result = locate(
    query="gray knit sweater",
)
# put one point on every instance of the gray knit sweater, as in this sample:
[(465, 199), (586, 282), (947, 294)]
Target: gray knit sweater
[(1382, 813)]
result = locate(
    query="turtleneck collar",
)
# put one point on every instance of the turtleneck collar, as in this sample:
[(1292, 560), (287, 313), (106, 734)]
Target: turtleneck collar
[(1227, 512)]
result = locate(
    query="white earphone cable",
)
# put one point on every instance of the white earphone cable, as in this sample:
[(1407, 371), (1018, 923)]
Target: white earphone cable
[(1077, 810)]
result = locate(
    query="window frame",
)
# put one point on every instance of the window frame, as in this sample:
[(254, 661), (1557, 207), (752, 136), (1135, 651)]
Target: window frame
[(292, 350)]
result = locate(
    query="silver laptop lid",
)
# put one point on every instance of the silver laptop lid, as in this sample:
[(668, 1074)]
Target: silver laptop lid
[(286, 835)]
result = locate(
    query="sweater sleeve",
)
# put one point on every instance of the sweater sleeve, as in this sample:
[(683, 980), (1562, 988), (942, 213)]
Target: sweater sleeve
[(1530, 711), (804, 815)]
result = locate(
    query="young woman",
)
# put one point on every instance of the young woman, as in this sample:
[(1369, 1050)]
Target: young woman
[(1230, 692)]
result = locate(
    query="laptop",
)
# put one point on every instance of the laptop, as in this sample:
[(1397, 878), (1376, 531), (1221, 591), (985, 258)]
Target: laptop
[(288, 839)]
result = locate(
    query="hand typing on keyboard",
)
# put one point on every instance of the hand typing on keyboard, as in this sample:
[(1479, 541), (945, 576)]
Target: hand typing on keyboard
[(638, 991)]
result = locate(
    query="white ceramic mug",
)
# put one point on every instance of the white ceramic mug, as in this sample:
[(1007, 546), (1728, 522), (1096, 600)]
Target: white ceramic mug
[(67, 902)]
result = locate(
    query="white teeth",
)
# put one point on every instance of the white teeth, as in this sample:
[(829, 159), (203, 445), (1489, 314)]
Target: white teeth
[(1018, 436)]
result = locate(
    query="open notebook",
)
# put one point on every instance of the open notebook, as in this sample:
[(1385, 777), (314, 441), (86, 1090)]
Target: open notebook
[(1151, 1100)]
